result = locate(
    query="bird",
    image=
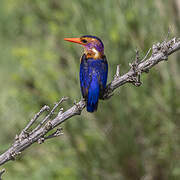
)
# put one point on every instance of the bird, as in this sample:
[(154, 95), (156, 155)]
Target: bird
[(93, 70)]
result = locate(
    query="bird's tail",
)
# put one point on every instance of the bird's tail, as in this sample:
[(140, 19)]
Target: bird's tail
[(93, 96)]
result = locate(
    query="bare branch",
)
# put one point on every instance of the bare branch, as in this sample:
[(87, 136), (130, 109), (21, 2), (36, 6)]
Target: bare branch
[(32, 121), (146, 55), (50, 114), (160, 52), (57, 133), (1, 173), (117, 71)]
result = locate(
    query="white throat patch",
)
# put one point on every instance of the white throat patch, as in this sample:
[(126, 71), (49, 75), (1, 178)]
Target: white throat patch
[(96, 52)]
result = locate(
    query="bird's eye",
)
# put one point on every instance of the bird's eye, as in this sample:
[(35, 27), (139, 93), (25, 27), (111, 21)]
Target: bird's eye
[(84, 41)]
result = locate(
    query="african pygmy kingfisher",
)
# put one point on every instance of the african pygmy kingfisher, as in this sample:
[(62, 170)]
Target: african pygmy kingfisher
[(93, 70)]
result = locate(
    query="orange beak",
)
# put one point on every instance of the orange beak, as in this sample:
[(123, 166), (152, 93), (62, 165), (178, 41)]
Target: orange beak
[(74, 40)]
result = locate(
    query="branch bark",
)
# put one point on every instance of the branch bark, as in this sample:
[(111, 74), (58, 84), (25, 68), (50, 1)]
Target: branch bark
[(27, 137)]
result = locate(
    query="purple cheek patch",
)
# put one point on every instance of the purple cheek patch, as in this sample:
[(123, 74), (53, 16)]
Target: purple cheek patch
[(99, 47)]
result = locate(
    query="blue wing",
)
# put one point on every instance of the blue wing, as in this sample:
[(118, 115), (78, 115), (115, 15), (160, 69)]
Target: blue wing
[(103, 75), (84, 77)]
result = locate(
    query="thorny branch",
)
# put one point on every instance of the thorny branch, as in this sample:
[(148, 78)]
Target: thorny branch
[(27, 137)]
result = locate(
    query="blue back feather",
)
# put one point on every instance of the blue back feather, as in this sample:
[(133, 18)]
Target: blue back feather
[(93, 78)]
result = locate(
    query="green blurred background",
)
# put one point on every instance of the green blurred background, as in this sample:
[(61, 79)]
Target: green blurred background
[(134, 135)]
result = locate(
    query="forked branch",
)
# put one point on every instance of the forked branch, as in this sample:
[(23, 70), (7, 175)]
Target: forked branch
[(27, 137)]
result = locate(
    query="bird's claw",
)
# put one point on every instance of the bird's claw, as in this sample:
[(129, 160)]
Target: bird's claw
[(78, 107)]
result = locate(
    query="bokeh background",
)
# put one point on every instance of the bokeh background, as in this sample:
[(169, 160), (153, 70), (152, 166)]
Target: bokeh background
[(135, 135)]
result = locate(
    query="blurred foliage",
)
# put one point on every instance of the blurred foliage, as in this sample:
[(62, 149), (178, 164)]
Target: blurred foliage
[(135, 134)]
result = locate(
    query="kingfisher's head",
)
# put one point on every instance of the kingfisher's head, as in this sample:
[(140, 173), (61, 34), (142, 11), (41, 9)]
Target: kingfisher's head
[(93, 46)]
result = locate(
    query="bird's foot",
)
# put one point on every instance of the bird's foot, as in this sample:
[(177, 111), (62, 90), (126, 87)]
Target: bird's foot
[(135, 78), (78, 107)]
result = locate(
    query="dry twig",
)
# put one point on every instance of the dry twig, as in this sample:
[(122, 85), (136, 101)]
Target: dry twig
[(1, 173)]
